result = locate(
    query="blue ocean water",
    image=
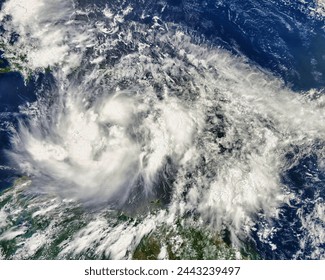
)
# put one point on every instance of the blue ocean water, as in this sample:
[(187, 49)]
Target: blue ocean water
[(277, 35), (280, 37)]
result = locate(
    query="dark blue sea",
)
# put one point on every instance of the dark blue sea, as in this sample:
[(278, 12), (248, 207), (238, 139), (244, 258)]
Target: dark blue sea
[(282, 41)]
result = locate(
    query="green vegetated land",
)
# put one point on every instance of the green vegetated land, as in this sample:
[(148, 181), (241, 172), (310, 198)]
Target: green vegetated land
[(185, 242), (180, 241), (17, 62)]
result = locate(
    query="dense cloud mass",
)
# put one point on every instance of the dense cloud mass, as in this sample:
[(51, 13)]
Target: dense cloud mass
[(153, 111)]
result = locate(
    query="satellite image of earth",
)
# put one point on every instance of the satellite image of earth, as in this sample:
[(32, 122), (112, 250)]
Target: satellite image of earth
[(162, 129)]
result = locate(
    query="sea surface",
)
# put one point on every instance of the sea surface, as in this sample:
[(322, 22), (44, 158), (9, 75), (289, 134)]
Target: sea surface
[(170, 129)]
